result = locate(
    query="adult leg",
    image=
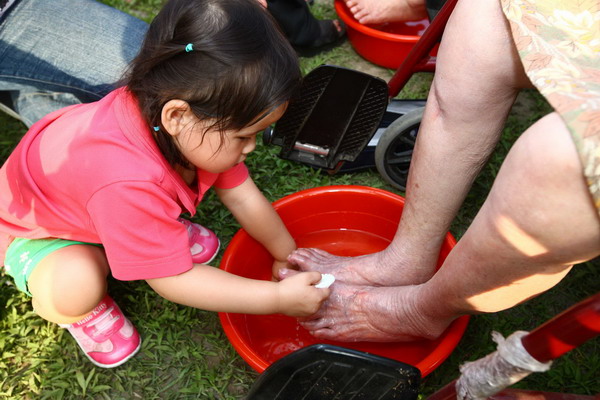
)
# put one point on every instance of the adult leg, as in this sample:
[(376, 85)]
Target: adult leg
[(68, 283), (380, 11), (63, 52), (462, 123), (538, 221), (301, 27), (296, 20)]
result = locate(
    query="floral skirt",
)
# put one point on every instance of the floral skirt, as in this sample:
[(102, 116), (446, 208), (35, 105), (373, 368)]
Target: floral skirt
[(559, 44)]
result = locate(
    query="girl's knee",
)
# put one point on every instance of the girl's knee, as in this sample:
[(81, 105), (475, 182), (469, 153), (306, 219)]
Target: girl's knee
[(69, 282)]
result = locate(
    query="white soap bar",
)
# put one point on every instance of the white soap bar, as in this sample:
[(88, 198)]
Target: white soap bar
[(326, 281)]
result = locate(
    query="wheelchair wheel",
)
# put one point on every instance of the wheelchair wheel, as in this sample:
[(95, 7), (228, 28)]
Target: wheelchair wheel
[(393, 152)]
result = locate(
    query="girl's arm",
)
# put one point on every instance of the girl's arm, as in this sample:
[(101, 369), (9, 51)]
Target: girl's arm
[(257, 216), (213, 289)]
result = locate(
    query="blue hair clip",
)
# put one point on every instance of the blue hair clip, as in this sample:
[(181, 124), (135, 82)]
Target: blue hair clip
[(156, 128), (189, 47)]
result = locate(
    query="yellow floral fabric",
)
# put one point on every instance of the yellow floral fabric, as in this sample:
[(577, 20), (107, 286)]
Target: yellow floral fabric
[(559, 44)]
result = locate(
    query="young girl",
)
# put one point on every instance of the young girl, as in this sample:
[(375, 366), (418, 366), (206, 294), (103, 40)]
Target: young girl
[(100, 187)]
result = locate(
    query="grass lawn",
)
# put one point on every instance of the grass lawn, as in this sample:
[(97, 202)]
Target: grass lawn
[(185, 354)]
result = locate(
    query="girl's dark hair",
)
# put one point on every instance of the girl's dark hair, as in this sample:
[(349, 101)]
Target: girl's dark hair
[(241, 65)]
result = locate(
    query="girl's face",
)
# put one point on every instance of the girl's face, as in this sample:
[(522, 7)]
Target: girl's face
[(214, 152)]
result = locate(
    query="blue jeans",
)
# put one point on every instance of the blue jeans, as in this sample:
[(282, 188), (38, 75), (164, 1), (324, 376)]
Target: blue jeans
[(62, 52)]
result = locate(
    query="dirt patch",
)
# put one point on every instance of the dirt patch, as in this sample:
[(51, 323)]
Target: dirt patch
[(360, 64), (344, 55)]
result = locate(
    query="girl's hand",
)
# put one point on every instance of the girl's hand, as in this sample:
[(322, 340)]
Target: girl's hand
[(298, 296), (279, 266)]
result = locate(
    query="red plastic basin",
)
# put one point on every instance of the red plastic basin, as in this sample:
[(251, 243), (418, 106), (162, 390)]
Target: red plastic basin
[(386, 45), (344, 220)]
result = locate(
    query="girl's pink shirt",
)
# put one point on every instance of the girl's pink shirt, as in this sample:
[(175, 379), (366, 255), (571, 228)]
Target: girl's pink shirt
[(93, 173)]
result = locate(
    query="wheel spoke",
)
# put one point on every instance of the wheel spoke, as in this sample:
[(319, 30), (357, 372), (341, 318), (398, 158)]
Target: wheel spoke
[(394, 151), (407, 139), (402, 157), (400, 176)]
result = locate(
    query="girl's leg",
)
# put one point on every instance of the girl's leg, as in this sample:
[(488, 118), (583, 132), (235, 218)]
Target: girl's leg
[(538, 221), (69, 288), (69, 283), (465, 113)]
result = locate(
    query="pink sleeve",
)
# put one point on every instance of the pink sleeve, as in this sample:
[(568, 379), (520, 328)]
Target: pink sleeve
[(232, 177), (137, 225)]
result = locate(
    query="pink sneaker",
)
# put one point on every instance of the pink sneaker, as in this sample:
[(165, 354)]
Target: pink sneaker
[(106, 336), (204, 244)]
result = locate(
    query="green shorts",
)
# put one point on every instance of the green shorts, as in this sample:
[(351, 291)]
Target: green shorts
[(23, 255)]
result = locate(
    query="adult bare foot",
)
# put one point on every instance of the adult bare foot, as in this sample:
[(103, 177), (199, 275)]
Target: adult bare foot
[(374, 314), (377, 269), (380, 11)]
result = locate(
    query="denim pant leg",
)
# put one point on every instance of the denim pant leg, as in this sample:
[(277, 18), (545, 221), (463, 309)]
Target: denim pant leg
[(62, 52)]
